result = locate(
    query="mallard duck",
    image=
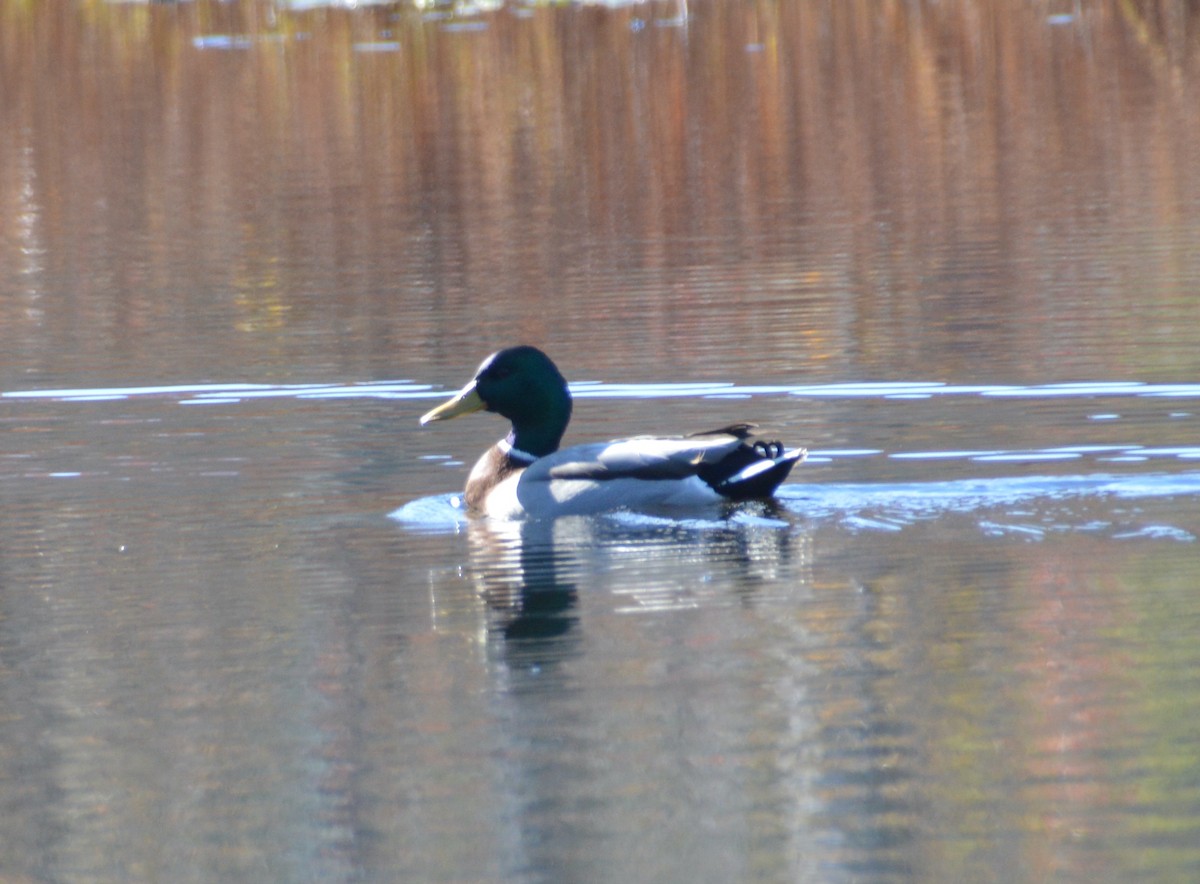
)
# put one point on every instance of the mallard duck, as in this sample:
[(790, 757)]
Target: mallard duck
[(527, 474)]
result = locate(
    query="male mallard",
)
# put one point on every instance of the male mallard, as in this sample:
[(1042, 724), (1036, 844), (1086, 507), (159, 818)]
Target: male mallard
[(527, 474)]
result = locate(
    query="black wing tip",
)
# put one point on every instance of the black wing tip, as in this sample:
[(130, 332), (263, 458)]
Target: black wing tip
[(753, 472)]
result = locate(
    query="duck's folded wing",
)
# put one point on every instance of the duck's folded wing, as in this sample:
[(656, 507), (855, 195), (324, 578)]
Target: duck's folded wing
[(640, 458)]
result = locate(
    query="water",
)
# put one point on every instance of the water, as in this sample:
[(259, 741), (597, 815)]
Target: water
[(831, 687), (247, 635)]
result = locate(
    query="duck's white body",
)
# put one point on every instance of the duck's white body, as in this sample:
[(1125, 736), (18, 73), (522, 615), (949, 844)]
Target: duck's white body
[(625, 474)]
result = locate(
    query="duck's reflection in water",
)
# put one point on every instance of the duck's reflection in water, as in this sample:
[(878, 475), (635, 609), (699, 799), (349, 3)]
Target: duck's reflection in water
[(614, 649), (529, 573), (526, 574)]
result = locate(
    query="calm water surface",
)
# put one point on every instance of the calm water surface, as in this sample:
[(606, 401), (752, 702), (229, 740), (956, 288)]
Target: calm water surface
[(245, 634)]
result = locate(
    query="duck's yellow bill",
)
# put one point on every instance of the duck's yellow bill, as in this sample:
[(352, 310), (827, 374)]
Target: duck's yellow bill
[(466, 401)]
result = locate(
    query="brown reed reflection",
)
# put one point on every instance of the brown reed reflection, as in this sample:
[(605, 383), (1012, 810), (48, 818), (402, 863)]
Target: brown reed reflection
[(913, 186)]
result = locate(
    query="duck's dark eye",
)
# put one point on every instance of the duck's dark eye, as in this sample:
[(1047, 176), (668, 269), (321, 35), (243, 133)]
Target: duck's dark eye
[(498, 372)]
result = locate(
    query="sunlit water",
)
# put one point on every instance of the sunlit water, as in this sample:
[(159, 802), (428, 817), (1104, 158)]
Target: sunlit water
[(755, 690), (913, 648), (783, 672)]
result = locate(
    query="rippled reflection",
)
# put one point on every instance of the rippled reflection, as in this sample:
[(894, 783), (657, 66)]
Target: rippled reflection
[(525, 573), (560, 596)]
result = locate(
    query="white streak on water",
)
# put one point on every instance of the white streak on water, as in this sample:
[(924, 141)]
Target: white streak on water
[(1043, 504), (598, 390)]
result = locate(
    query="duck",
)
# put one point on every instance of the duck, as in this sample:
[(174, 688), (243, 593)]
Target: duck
[(527, 474)]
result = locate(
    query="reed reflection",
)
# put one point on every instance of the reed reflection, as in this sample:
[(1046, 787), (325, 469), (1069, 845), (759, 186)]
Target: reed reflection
[(901, 186)]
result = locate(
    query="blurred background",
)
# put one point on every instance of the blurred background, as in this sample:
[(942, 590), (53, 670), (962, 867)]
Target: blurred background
[(950, 191)]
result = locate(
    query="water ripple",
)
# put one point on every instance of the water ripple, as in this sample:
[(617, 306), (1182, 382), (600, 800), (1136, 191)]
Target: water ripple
[(1026, 506), (1132, 453), (407, 389)]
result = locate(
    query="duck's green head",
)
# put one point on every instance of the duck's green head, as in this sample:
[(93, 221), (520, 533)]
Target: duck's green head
[(523, 385)]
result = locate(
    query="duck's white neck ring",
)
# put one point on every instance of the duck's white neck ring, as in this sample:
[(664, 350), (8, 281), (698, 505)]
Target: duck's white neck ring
[(515, 453)]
